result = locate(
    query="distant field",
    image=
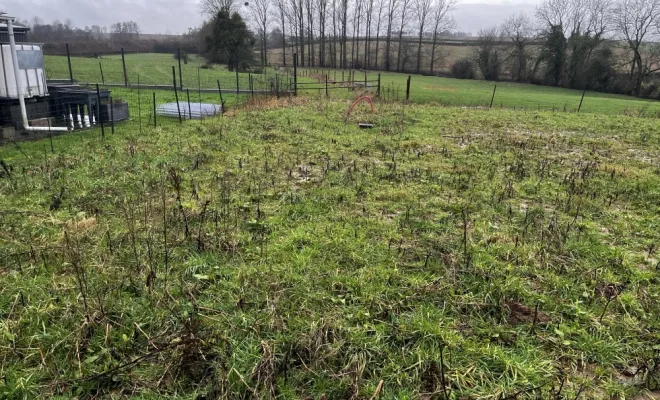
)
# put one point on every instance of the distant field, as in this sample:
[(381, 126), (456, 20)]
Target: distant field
[(151, 68), (157, 69), (457, 92), (446, 55)]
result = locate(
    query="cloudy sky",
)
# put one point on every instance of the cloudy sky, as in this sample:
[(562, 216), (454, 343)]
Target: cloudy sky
[(176, 16)]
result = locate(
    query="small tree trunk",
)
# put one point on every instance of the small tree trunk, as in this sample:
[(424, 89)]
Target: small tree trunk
[(435, 41), (419, 49)]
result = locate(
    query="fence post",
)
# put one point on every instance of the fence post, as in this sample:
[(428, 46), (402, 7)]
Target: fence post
[(277, 86), (102, 76), (189, 106), (365, 79), (68, 57), (123, 63), (112, 116), (199, 93), (493, 98), (295, 74), (236, 66), (176, 95), (178, 52), (326, 85), (222, 102), (139, 105), (378, 92), (50, 137), (580, 106), (408, 89), (155, 123), (98, 111)]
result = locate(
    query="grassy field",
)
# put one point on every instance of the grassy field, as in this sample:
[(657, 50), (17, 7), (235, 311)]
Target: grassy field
[(446, 55), (157, 69), (153, 69), (457, 92), (281, 252)]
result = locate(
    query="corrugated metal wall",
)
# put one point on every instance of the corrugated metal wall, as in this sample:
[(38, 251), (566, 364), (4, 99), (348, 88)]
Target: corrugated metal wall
[(20, 37)]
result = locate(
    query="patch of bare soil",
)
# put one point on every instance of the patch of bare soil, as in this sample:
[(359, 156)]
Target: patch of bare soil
[(522, 314)]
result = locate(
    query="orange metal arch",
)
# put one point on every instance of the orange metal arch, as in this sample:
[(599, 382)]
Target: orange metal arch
[(367, 98)]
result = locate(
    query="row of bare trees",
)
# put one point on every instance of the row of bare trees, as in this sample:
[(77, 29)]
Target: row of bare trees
[(343, 33), (607, 45)]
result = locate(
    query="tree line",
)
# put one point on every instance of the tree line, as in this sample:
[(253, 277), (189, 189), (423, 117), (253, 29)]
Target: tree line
[(62, 31), (605, 45)]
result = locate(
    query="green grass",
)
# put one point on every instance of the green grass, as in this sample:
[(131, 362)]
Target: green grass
[(153, 69), (279, 252), (157, 69), (457, 92)]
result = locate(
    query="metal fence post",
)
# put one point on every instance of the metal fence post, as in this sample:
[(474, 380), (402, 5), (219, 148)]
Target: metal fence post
[(222, 102), (176, 95), (236, 66), (493, 98), (580, 106), (295, 74), (189, 106), (155, 123), (102, 76), (178, 52), (326, 85), (98, 110), (378, 92), (112, 116), (139, 105), (123, 63), (68, 57), (408, 89)]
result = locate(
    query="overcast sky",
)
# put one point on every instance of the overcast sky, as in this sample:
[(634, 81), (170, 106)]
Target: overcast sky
[(176, 16)]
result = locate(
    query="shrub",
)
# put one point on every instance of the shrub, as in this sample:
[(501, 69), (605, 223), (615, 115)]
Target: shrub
[(463, 69)]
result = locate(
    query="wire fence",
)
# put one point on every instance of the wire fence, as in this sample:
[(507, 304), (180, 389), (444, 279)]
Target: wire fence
[(101, 110), (450, 92), (163, 71)]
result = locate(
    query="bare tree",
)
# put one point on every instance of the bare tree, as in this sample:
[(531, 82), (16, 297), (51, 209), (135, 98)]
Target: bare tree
[(298, 20), (405, 5), (635, 22), (333, 42), (343, 14), (260, 13), (367, 41), (379, 22), (280, 15), (357, 19), (210, 8), (422, 11), (554, 12), (322, 6), (309, 8), (392, 6), (442, 21), (518, 31)]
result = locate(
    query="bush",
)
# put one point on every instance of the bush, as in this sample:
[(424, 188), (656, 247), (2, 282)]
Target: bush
[(463, 69)]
